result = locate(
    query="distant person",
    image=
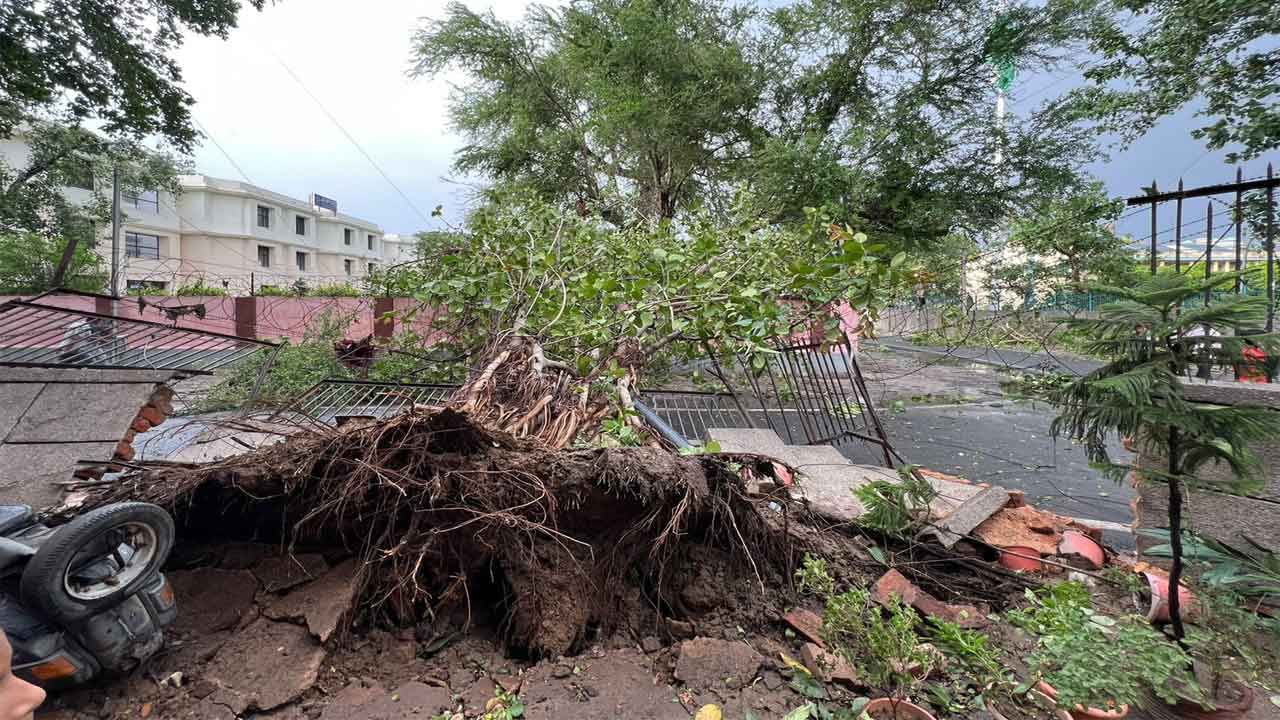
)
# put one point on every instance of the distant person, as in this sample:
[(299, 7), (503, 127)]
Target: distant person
[(18, 698), (1253, 364)]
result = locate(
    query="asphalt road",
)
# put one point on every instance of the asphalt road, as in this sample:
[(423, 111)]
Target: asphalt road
[(952, 416)]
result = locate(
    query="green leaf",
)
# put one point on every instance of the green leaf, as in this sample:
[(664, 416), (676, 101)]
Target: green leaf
[(804, 712)]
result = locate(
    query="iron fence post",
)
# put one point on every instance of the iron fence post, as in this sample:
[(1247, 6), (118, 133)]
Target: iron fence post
[(1154, 190), (1239, 221), (1271, 252)]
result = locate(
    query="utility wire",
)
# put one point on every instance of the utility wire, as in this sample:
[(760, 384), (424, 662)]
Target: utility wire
[(349, 137)]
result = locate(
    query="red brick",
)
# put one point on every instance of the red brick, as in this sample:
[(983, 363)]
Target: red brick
[(124, 451), (807, 623), (151, 414), (895, 584), (140, 424)]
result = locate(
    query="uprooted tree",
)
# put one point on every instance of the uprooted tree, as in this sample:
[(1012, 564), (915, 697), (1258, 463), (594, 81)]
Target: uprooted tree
[(559, 315)]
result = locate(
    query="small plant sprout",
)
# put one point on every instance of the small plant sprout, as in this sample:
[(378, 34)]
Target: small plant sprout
[(812, 578)]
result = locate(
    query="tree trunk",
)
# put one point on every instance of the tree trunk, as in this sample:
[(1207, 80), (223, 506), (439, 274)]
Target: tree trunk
[(64, 264), (1175, 537)]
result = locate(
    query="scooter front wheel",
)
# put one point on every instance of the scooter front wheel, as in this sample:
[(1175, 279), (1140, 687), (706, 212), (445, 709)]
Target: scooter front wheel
[(97, 560)]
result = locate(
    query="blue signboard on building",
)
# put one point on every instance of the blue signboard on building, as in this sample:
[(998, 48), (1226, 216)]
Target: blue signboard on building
[(324, 203)]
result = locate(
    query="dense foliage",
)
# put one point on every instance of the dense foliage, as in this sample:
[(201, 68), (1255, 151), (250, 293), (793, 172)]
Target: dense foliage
[(103, 60), (28, 262), (877, 110), (596, 297), (1158, 56)]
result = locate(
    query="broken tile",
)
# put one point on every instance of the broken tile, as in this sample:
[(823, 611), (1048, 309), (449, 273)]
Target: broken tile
[(807, 623), (895, 584), (829, 667)]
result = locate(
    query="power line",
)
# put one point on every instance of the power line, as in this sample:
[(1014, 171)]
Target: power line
[(222, 150), (349, 136)]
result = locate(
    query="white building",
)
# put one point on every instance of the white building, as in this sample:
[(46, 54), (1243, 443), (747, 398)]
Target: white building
[(231, 235), (399, 248)]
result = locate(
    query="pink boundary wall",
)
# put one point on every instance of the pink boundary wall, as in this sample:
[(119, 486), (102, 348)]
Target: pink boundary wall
[(263, 318)]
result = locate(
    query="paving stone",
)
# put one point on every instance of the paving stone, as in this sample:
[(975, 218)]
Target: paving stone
[(285, 571), (707, 663)]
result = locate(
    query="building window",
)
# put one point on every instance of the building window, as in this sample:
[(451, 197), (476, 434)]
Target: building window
[(264, 216), (300, 225), (139, 286), (369, 239), (264, 256), (346, 235), (143, 200), (302, 260), (346, 265), (140, 245), (372, 268)]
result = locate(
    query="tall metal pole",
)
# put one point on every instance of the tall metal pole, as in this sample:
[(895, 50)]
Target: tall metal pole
[(115, 233), (1271, 251), (1154, 259), (1239, 221), (1177, 231), (1208, 251)]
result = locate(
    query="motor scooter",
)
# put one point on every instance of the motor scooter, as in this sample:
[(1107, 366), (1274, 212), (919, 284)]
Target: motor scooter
[(85, 598)]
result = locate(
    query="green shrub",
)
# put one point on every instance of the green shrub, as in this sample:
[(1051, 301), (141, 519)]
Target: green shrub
[(335, 290), (198, 288)]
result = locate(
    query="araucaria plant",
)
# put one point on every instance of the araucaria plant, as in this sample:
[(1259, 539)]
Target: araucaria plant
[(1155, 335)]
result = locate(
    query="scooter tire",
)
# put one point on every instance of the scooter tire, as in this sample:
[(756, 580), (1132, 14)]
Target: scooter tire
[(43, 585)]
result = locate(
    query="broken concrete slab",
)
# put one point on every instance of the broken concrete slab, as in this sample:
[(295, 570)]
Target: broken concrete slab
[(212, 599), (807, 623), (894, 584), (950, 524), (411, 700), (285, 571), (321, 603), (746, 440), (81, 413), (707, 663), (264, 666), (31, 470)]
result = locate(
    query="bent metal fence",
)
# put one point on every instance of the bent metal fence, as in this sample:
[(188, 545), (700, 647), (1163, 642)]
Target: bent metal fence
[(37, 335), (808, 393)]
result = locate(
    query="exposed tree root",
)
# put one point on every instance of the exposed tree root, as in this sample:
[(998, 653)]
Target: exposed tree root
[(433, 505)]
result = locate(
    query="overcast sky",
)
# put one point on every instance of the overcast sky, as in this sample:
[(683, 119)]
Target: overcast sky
[(353, 57)]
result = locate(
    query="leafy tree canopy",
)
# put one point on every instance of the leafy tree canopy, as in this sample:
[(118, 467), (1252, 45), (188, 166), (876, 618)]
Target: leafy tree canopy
[(29, 260), (104, 60), (596, 297), (1073, 237), (1161, 55), (627, 107), (33, 195), (879, 110)]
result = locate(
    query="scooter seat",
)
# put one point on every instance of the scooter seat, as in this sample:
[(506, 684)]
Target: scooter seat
[(15, 517)]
